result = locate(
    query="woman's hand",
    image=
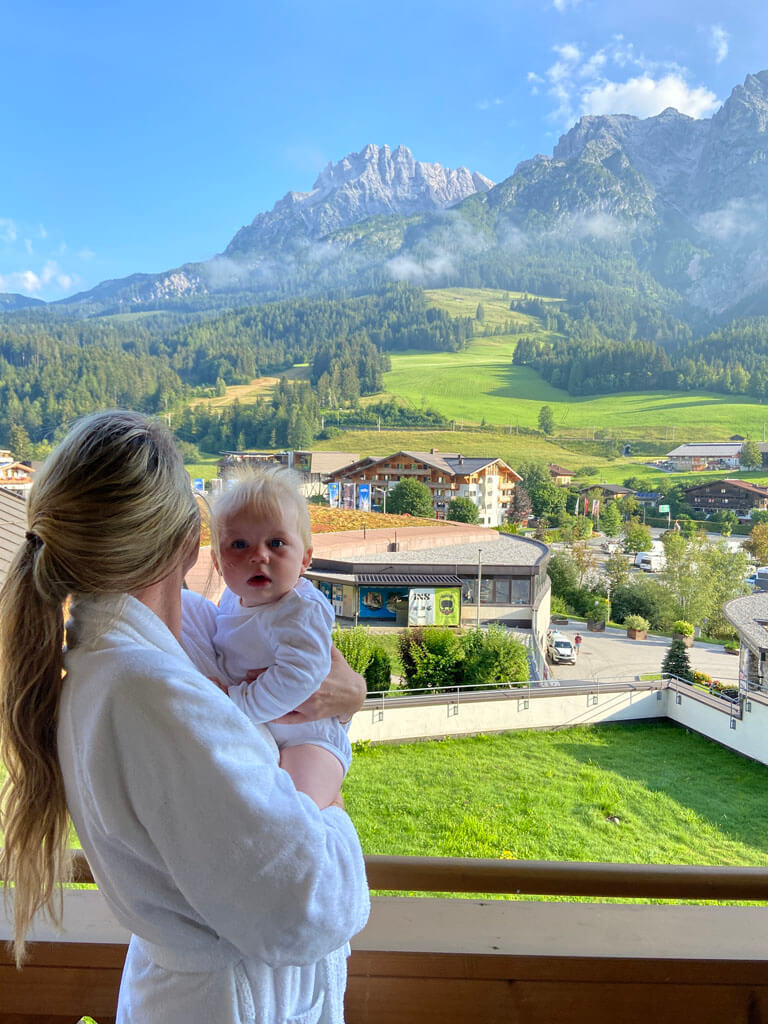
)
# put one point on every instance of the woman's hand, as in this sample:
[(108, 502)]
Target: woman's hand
[(341, 694)]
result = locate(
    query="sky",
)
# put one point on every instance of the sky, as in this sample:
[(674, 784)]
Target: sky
[(140, 136)]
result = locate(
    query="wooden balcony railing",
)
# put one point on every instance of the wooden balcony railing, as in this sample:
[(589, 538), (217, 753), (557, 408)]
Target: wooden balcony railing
[(426, 959)]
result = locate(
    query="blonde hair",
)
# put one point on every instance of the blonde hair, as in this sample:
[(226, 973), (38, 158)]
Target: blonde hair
[(269, 490), (110, 512)]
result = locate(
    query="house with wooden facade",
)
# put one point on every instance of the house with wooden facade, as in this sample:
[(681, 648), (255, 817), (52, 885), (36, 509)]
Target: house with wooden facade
[(16, 476), (487, 481), (560, 475), (739, 496)]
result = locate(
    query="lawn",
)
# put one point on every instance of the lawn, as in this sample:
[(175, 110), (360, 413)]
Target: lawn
[(679, 798)]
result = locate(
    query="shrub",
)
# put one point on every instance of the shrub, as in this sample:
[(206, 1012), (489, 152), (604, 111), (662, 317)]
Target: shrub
[(431, 657), (683, 628), (636, 622), (356, 645), (493, 658), (598, 611), (703, 678), (378, 673)]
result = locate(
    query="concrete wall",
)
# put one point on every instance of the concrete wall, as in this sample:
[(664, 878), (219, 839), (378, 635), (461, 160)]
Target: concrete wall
[(406, 720)]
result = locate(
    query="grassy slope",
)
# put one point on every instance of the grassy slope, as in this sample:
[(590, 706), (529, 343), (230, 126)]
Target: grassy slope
[(546, 796)]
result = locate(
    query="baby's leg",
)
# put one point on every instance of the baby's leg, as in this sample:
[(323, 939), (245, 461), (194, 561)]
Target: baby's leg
[(314, 770)]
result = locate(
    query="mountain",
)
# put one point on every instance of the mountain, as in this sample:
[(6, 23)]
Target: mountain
[(11, 301), (669, 211), (264, 257), (371, 183)]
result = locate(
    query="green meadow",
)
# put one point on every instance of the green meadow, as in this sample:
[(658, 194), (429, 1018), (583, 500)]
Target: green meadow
[(678, 797), (480, 384)]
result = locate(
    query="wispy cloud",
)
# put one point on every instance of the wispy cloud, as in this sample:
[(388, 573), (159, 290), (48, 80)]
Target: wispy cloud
[(487, 104), (616, 80), (8, 230), (718, 38), (563, 5)]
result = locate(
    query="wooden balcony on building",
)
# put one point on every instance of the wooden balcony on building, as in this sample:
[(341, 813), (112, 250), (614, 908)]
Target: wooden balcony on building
[(424, 959)]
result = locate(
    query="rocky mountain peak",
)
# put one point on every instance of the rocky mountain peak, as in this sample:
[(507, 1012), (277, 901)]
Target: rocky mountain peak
[(377, 180)]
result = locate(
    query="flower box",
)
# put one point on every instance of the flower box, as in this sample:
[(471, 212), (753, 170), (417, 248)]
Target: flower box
[(637, 634), (687, 640)]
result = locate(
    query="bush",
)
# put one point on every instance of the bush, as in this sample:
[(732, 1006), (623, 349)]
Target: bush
[(493, 658), (683, 628), (703, 678), (431, 657), (636, 622), (378, 672), (356, 645)]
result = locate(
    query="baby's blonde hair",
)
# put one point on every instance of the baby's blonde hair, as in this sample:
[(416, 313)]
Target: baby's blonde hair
[(269, 490)]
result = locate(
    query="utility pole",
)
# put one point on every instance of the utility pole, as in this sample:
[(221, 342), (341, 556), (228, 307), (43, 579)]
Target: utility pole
[(479, 581)]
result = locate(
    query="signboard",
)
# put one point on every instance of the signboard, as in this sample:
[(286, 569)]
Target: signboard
[(333, 494), (198, 484), (338, 599), (364, 497), (347, 495), (434, 606), (663, 508)]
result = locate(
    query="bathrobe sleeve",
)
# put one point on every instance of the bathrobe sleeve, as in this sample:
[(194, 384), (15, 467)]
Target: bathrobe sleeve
[(262, 866), (299, 634)]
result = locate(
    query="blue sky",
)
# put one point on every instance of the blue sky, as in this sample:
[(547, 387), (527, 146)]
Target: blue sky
[(140, 136)]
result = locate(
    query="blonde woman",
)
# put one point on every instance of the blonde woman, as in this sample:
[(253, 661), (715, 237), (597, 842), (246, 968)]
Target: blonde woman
[(240, 893)]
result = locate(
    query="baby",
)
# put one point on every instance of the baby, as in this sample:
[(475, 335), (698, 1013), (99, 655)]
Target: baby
[(269, 616)]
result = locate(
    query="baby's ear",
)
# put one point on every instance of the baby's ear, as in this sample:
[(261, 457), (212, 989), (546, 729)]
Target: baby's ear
[(306, 560)]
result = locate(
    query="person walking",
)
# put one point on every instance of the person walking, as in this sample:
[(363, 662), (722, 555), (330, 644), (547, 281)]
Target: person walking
[(577, 640)]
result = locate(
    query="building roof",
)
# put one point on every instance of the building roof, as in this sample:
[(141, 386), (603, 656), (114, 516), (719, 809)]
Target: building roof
[(328, 462), (742, 485), (714, 450), (407, 579), (559, 470), (749, 615), (607, 489), (647, 495), (450, 463), (504, 551), (13, 526)]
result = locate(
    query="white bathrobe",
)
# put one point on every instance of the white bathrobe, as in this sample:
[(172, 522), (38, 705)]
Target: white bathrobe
[(240, 893)]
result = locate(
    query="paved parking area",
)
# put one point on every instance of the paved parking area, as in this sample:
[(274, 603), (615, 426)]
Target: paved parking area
[(611, 655)]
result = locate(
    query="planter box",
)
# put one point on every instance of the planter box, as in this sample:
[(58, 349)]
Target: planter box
[(687, 640), (637, 634), (595, 625), (730, 650), (558, 620)]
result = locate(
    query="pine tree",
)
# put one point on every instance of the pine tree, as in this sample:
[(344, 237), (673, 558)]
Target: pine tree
[(676, 661)]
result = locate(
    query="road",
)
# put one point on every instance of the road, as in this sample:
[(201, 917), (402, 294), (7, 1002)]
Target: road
[(611, 655)]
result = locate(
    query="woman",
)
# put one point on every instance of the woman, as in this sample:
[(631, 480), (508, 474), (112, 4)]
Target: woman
[(241, 895)]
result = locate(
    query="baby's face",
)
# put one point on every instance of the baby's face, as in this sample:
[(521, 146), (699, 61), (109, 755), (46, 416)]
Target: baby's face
[(261, 559)]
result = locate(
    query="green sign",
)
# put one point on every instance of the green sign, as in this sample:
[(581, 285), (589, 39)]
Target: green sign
[(663, 508), (447, 606)]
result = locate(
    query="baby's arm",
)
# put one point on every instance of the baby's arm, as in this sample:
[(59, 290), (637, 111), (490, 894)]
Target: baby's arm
[(300, 638)]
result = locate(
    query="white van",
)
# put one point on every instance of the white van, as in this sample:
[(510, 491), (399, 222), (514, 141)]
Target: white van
[(649, 561), (560, 650)]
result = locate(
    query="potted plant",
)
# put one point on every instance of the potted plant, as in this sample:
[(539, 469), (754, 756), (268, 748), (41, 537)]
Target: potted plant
[(682, 630), (636, 627), (731, 646), (597, 615)]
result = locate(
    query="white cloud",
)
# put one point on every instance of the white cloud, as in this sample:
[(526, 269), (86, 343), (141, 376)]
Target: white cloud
[(404, 268), (8, 231), (487, 104), (645, 96), (738, 219), (718, 37), (563, 5), (616, 80), (51, 276)]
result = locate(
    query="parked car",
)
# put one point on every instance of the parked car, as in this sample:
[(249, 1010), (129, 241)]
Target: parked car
[(649, 561), (560, 650)]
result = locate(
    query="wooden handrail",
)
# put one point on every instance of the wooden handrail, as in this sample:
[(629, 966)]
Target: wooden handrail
[(551, 878)]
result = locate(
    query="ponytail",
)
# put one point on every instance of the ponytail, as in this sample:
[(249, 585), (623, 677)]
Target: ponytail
[(34, 815)]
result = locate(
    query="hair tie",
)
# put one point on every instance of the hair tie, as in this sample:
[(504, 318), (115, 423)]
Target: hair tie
[(33, 539)]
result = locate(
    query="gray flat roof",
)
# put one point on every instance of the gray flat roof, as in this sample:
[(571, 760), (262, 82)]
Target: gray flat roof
[(13, 524), (714, 449), (507, 550)]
